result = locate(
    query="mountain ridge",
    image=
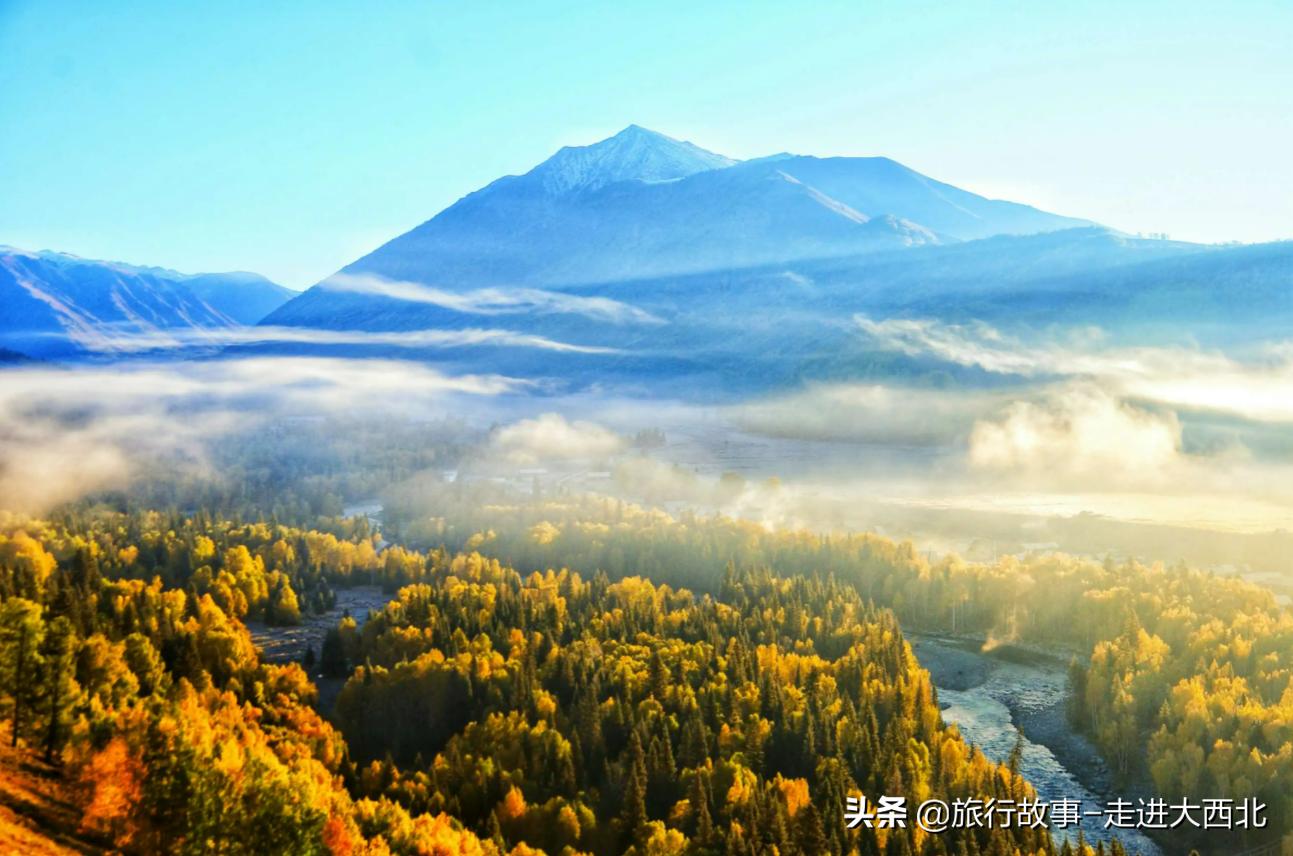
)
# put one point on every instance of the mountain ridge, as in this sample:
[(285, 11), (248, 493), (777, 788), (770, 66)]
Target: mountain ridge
[(748, 271), (641, 260), (641, 203), (725, 334), (57, 305)]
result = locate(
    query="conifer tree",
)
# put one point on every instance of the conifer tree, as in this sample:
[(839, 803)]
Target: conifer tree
[(57, 652), (809, 834), (22, 633), (634, 812)]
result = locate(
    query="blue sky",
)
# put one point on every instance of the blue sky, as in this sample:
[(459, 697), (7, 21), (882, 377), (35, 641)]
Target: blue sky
[(290, 138)]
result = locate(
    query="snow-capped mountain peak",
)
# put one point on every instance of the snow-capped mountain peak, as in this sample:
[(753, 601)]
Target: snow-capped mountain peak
[(634, 154)]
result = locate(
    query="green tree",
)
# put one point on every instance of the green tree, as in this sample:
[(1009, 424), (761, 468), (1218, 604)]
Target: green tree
[(57, 651), (332, 657), (22, 631), (635, 786)]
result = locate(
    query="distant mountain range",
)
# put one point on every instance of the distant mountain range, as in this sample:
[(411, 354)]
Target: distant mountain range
[(642, 260), (732, 333), (641, 204), (59, 306), (664, 263)]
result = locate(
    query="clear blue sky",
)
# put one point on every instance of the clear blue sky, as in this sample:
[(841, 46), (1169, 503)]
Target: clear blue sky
[(289, 138)]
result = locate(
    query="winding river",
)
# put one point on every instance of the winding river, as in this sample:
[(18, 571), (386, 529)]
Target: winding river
[(994, 700)]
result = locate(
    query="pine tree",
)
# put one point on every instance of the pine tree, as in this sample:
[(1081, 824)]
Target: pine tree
[(635, 811), (332, 659), (1014, 761), (658, 677), (809, 834), (85, 571), (57, 652), (22, 632), (694, 749), (699, 799)]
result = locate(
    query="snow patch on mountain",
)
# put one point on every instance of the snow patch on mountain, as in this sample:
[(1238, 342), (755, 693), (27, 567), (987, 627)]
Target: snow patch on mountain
[(634, 154)]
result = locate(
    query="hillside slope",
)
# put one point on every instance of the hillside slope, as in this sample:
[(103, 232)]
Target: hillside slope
[(57, 306), (732, 332), (37, 814)]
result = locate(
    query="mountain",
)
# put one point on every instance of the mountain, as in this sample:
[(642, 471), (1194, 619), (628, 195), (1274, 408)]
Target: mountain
[(643, 262), (876, 186), (726, 334), (634, 154), (12, 357), (58, 306), (641, 205), (637, 204), (244, 297)]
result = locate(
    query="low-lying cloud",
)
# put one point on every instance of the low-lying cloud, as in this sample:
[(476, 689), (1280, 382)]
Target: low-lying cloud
[(494, 301), (1066, 426), (869, 413), (122, 342), (550, 438), (65, 433), (1079, 432), (1260, 390)]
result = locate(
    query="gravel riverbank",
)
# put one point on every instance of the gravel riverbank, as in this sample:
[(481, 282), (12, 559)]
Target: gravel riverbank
[(995, 697)]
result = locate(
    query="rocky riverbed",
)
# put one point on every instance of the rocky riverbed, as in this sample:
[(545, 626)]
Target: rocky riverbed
[(289, 644), (994, 698), (279, 644)]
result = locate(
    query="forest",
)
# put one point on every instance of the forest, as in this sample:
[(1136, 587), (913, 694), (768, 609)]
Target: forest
[(487, 712), (566, 673), (1181, 677)]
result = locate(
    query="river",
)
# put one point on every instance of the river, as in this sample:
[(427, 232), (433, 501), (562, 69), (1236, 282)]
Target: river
[(993, 701)]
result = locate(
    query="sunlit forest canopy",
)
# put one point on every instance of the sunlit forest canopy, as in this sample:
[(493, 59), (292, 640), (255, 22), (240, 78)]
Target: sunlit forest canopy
[(488, 713), (582, 672)]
